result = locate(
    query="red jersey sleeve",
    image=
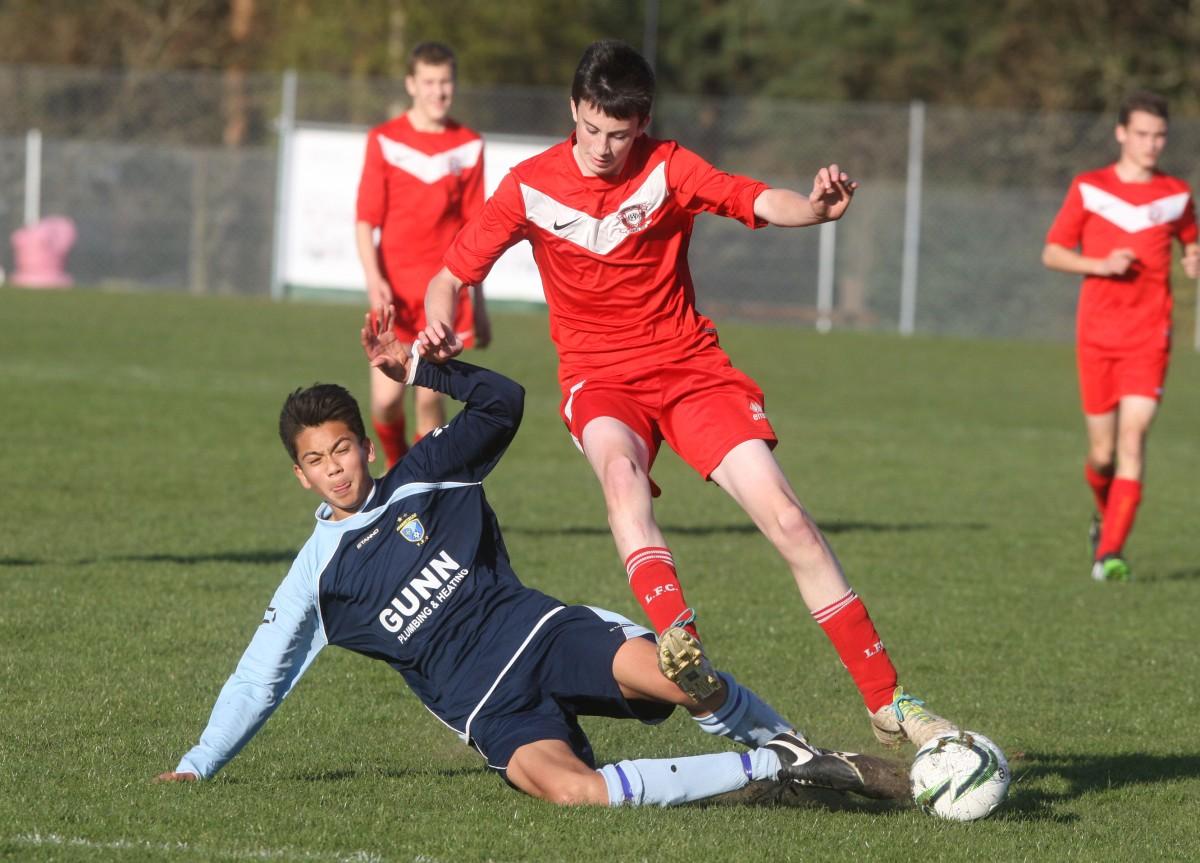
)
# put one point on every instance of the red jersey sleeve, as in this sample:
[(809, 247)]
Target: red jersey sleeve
[(1067, 228), (372, 186), (1185, 227), (500, 224), (701, 188)]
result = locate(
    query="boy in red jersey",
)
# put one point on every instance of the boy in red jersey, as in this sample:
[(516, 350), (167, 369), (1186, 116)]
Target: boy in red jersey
[(609, 215), (1121, 219), (421, 181)]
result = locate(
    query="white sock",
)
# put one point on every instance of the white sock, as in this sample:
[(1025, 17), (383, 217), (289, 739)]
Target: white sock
[(744, 717), (671, 781)]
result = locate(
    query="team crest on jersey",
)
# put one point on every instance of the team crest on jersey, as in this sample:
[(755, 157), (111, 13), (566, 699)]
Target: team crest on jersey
[(410, 527), (635, 218), (756, 411), (456, 166)]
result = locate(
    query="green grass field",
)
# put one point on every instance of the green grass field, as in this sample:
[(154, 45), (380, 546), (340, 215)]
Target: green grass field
[(150, 513)]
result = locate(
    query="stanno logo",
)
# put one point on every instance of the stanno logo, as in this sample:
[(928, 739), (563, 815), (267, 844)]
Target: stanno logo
[(756, 411), (410, 527), (370, 536)]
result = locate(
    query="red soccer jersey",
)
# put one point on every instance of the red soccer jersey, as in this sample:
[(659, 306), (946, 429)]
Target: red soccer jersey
[(419, 188), (612, 253), (1102, 213)]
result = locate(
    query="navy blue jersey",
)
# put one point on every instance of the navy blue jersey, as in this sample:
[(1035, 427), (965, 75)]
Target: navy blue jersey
[(418, 578)]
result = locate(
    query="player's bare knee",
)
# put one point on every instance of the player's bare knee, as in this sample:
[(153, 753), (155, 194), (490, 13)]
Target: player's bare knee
[(622, 478), (575, 789), (794, 528), (1102, 461)]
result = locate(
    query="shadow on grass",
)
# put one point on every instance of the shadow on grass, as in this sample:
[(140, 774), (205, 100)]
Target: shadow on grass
[(1084, 774), (1177, 575), (345, 775), (830, 527), (244, 557)]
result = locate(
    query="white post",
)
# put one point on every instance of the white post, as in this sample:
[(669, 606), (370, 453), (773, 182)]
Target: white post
[(33, 176), (912, 218), (826, 262), (285, 126)]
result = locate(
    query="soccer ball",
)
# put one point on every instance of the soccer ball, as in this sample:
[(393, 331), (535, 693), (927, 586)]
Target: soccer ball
[(960, 776)]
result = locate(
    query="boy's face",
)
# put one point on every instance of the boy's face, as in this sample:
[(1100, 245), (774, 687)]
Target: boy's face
[(432, 90), (603, 143), (1142, 139), (332, 461)]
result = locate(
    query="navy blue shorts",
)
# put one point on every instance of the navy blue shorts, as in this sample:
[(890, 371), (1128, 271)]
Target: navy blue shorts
[(568, 673)]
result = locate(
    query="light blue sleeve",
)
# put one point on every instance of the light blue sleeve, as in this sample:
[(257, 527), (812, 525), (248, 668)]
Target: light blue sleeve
[(285, 644)]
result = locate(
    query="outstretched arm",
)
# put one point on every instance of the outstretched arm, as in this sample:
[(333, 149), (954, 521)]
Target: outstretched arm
[(830, 197), (439, 340)]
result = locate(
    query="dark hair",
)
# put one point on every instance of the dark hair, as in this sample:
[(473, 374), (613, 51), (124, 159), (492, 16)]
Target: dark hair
[(1142, 100), (616, 79), (320, 403), (432, 54)]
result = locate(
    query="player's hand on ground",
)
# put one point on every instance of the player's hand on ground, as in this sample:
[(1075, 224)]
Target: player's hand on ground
[(831, 193), (384, 351), (438, 342), (172, 776), (1191, 261), (1117, 263)]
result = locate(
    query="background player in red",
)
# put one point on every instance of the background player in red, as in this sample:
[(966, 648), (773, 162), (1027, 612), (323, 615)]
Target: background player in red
[(609, 215), (421, 181), (1115, 229)]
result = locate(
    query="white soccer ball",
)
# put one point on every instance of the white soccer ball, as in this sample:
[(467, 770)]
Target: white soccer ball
[(959, 776)]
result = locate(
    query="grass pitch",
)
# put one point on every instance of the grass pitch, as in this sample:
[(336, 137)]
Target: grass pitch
[(150, 513)]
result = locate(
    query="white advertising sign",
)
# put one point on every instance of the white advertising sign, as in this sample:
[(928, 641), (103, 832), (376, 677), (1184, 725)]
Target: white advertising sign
[(323, 172)]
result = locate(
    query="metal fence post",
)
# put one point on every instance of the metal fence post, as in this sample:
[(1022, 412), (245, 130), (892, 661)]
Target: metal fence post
[(33, 176), (826, 262), (285, 126), (912, 218)]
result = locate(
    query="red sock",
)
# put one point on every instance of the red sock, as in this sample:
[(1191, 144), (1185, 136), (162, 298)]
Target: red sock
[(849, 627), (1123, 502), (1099, 483), (391, 438), (653, 581)]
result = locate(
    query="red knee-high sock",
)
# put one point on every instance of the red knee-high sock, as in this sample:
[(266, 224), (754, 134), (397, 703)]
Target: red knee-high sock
[(391, 438), (849, 627), (653, 581), (1100, 484), (1123, 500)]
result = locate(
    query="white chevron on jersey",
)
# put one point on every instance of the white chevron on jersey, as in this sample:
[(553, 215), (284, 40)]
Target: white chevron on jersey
[(601, 236), (426, 168), (1129, 217)]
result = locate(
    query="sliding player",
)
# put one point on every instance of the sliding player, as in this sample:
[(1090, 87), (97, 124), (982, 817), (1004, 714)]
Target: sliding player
[(1115, 229), (609, 214), (411, 569), (421, 181)]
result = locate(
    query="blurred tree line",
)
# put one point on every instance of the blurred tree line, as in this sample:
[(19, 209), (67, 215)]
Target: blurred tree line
[(1024, 54)]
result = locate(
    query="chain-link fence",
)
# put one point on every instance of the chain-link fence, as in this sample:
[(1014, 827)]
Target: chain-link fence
[(171, 181)]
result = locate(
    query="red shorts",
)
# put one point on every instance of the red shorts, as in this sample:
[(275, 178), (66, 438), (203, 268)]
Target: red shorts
[(702, 407), (410, 317), (1105, 377)]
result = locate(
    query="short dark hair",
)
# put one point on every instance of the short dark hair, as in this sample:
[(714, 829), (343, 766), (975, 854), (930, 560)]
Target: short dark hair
[(312, 406), (616, 79), (432, 54), (1142, 100)]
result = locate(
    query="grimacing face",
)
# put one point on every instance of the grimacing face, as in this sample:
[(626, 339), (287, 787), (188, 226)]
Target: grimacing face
[(1142, 139), (332, 461), (431, 89), (603, 143)]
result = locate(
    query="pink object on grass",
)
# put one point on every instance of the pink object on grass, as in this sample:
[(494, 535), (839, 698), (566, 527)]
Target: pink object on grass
[(41, 251)]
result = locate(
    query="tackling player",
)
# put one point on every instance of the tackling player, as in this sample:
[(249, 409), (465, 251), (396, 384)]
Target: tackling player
[(412, 569), (609, 215), (422, 179), (1115, 229)]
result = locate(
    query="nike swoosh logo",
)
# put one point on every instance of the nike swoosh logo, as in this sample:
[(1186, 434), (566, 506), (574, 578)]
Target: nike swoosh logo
[(559, 227)]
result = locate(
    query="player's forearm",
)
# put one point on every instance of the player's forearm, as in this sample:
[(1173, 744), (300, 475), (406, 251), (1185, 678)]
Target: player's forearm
[(441, 296), (493, 403), (1064, 260), (785, 208), (368, 254)]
